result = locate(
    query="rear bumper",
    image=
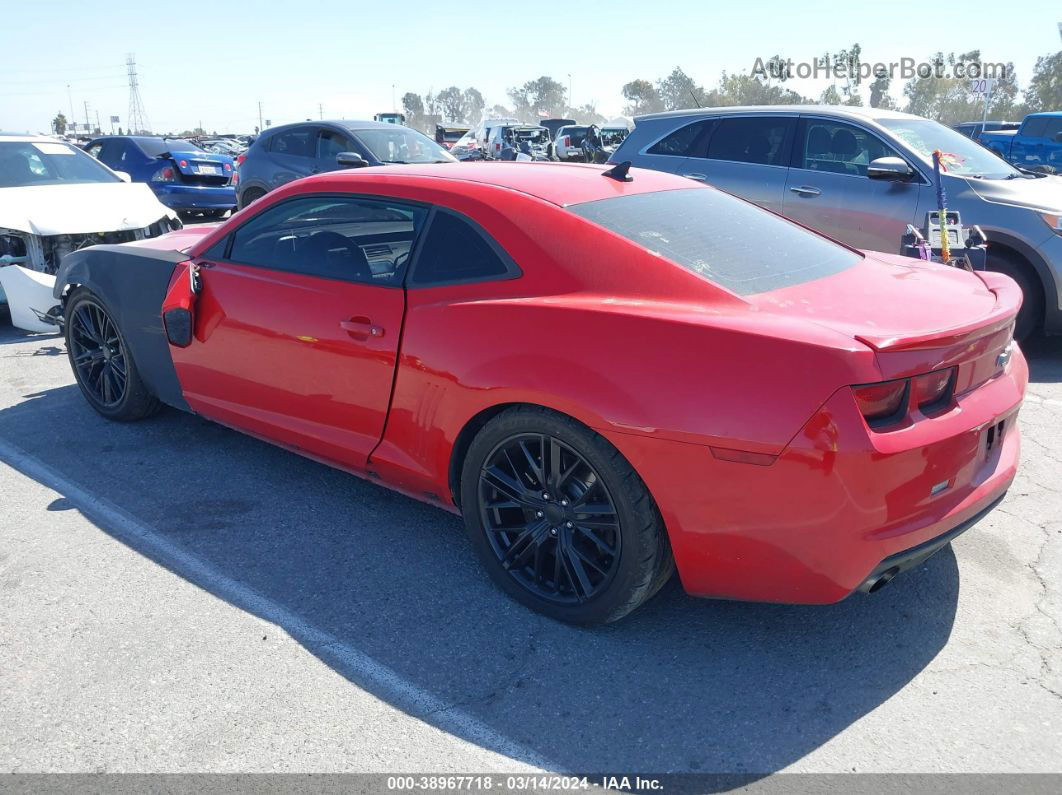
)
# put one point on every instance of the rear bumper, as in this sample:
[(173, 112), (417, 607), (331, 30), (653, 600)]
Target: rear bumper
[(197, 197), (817, 524)]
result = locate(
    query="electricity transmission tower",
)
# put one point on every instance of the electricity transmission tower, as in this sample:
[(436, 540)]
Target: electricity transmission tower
[(137, 119)]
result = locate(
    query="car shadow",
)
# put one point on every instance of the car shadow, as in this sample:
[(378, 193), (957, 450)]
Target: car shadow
[(680, 685), (1045, 359)]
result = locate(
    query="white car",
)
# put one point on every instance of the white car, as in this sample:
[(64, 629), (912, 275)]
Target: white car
[(54, 199), (568, 145)]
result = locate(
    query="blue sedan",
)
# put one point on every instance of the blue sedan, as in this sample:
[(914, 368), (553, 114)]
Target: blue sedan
[(186, 178)]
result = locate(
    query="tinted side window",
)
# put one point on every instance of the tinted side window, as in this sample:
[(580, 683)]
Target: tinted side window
[(298, 143), (1053, 127), (759, 139), (455, 251), (345, 238), (330, 144), (1034, 127), (686, 141), (838, 148)]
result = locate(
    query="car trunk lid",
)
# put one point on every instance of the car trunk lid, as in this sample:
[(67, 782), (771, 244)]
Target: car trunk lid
[(202, 168), (915, 315)]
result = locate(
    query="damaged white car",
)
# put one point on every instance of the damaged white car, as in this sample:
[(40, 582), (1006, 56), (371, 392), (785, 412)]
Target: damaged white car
[(55, 199)]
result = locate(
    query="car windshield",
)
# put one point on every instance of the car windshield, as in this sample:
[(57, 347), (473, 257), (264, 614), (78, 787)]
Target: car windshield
[(26, 163), (724, 240), (155, 147), (402, 145), (962, 156)]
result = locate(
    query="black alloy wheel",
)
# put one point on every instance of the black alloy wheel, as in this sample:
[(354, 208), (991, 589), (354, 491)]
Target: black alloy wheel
[(102, 363), (97, 354), (560, 519), (549, 517)]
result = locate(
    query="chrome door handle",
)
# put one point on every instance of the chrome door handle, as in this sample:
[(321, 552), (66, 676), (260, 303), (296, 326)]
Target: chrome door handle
[(698, 177), (805, 190)]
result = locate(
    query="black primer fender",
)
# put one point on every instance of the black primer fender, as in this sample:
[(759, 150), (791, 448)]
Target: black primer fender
[(131, 282)]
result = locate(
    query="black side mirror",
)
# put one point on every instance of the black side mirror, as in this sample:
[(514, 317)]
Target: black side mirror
[(351, 160)]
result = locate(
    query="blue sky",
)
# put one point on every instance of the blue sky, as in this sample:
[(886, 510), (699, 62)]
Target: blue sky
[(215, 61)]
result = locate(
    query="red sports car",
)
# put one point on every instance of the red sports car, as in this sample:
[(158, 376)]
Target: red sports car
[(608, 374)]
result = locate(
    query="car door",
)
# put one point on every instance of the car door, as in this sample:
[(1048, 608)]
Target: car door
[(298, 323), (747, 156), (828, 188), (293, 154)]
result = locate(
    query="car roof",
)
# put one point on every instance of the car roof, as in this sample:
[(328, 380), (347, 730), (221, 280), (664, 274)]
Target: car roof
[(562, 184), (1051, 113), (843, 111), (13, 136), (350, 124)]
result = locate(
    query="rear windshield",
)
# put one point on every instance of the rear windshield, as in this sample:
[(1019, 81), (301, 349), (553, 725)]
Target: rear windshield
[(154, 147), (722, 239)]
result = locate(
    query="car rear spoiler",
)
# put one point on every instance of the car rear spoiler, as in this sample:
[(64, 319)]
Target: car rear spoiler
[(1008, 302)]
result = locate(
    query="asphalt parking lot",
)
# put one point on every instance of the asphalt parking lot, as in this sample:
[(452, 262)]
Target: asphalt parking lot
[(175, 596)]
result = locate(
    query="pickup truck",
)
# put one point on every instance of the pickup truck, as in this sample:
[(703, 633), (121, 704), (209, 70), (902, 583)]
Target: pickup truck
[(1036, 145)]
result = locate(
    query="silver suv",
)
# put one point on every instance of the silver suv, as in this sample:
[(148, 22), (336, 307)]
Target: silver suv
[(860, 175)]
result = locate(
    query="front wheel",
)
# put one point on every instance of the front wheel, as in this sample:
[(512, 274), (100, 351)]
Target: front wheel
[(1032, 307), (560, 520), (102, 365)]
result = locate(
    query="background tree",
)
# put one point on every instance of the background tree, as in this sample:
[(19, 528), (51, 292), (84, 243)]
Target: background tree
[(453, 105), (413, 107), (642, 97), (59, 124), (535, 99), (678, 90), (750, 90), (474, 105), (949, 100), (831, 96), (1045, 87), (879, 91)]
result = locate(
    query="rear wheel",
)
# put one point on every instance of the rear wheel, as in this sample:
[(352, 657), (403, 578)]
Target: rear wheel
[(250, 196), (104, 369), (559, 518), (1032, 308)]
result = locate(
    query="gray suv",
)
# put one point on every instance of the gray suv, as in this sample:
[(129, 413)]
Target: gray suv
[(282, 154), (861, 175)]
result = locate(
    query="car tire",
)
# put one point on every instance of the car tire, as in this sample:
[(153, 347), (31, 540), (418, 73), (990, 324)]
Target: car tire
[(589, 566), (102, 362), (1031, 313), (250, 196)]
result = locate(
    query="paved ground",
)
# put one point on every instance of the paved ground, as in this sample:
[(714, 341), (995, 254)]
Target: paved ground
[(175, 596)]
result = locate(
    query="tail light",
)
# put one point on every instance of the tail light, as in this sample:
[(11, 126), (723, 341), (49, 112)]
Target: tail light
[(567, 140), (240, 159), (881, 404), (890, 402), (164, 174), (184, 164), (932, 390), (228, 166)]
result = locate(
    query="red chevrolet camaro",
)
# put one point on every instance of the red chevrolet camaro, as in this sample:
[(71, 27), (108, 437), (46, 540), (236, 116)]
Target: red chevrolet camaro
[(610, 375)]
